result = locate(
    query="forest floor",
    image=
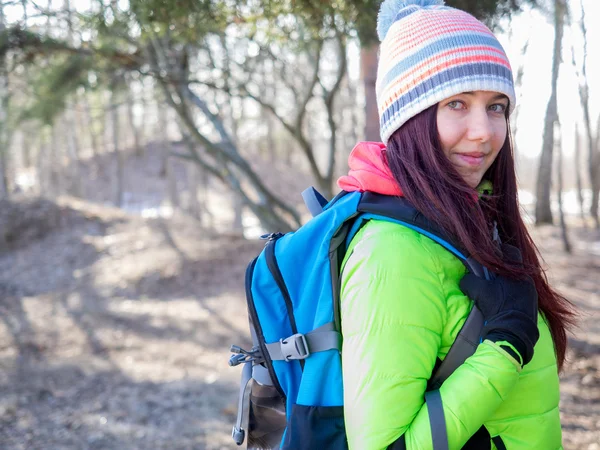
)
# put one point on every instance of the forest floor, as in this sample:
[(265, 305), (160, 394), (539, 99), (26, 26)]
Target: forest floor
[(115, 330)]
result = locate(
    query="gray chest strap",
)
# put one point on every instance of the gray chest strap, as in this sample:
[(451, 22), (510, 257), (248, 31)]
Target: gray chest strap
[(464, 346), (301, 346), (437, 421)]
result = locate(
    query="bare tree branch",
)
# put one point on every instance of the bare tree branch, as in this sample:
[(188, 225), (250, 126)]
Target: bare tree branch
[(224, 152), (329, 104), (311, 87)]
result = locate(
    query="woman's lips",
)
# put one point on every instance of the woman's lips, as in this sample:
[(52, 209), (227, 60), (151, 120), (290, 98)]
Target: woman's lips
[(471, 159)]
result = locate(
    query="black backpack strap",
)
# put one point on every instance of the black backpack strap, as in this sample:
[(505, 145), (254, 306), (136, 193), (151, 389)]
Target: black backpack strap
[(402, 210), (398, 444), (499, 443), (464, 346), (481, 440)]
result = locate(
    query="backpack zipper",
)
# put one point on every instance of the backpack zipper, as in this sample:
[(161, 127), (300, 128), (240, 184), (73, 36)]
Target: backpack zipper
[(258, 328), (276, 273)]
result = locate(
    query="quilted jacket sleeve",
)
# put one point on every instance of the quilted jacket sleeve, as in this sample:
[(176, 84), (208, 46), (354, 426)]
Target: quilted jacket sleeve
[(393, 312)]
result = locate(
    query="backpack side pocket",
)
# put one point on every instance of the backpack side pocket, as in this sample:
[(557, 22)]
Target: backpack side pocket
[(316, 427)]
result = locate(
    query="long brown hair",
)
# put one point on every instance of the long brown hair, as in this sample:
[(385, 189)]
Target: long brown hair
[(430, 182)]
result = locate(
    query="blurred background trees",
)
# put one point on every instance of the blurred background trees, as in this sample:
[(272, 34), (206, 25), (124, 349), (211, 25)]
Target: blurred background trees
[(255, 98)]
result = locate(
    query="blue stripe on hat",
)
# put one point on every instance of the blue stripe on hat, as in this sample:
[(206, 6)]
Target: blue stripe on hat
[(439, 46)]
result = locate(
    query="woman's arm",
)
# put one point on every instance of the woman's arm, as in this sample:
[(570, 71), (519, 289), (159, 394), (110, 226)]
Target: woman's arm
[(393, 309)]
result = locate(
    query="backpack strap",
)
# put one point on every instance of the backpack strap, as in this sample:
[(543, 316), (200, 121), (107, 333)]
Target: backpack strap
[(499, 443), (314, 200), (238, 433), (301, 346), (437, 422), (401, 210), (463, 346)]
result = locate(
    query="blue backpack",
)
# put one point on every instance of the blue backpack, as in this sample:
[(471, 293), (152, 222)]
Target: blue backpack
[(294, 370)]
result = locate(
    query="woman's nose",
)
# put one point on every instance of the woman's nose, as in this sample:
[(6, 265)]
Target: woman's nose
[(480, 127)]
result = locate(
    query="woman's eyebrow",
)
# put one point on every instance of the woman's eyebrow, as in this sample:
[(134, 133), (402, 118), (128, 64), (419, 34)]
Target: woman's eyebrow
[(496, 97)]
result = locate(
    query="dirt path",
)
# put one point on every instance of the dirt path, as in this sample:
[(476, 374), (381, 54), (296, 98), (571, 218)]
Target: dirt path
[(114, 334), (578, 277)]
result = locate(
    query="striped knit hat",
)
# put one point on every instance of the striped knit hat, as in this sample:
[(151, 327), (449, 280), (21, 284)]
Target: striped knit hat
[(430, 52)]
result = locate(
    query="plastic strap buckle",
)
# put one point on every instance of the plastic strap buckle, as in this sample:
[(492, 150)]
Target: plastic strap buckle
[(294, 347), (238, 435)]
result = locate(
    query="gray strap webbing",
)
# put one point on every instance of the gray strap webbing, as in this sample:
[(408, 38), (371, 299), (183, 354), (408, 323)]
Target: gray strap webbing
[(238, 434), (464, 346), (314, 201), (261, 374), (300, 346), (437, 422)]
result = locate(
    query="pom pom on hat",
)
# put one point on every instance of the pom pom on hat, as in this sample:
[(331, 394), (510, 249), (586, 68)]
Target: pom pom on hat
[(389, 9)]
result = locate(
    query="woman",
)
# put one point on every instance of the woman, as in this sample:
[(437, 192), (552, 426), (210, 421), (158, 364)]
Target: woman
[(445, 91)]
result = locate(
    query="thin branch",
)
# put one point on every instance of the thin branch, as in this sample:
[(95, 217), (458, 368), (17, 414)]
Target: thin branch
[(217, 150), (34, 45), (283, 75), (311, 86), (195, 158), (329, 100)]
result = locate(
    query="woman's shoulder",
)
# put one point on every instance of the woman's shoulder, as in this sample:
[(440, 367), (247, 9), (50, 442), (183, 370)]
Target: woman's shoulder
[(394, 243), (378, 233)]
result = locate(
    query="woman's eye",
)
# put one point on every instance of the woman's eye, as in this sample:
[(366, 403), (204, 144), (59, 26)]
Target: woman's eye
[(498, 108), (455, 104)]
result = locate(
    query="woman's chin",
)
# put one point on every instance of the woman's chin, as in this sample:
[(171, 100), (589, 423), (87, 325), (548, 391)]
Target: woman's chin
[(472, 179)]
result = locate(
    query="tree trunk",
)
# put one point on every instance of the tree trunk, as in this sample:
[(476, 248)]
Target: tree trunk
[(563, 224), (119, 157), (41, 164), (54, 168), (518, 83), (267, 146), (578, 174), (89, 120), (238, 204), (132, 122), (26, 146), (368, 66), (205, 182), (351, 135), (595, 175), (193, 178), (148, 122), (161, 114), (73, 152), (543, 212), (27, 130), (4, 173), (168, 169), (271, 125), (594, 163), (228, 111), (591, 141), (172, 185), (4, 128)]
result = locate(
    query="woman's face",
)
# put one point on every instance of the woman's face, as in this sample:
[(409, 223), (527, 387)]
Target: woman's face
[(472, 129)]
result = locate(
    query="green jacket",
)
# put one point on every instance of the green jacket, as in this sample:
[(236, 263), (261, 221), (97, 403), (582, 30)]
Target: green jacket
[(401, 308)]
